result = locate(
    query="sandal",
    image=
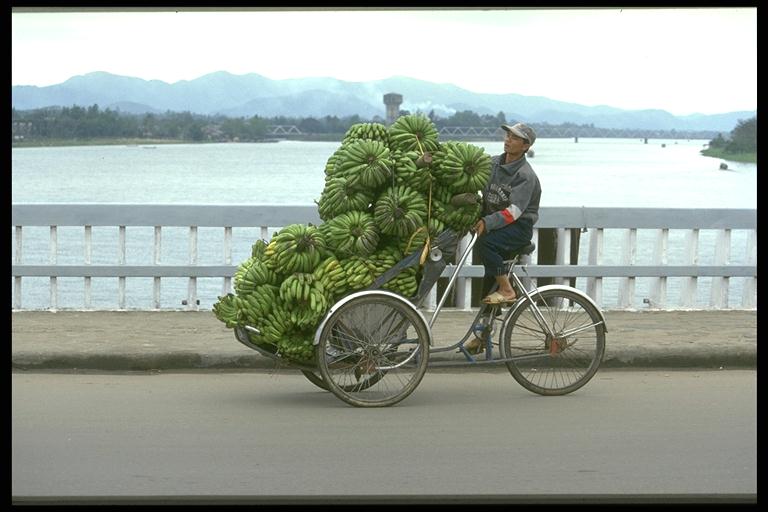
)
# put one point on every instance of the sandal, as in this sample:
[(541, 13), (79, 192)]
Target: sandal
[(497, 298), (475, 346)]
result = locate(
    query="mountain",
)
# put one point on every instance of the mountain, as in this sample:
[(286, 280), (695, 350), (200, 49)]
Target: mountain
[(252, 94)]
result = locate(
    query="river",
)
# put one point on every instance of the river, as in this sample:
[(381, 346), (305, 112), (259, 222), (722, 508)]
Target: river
[(589, 172)]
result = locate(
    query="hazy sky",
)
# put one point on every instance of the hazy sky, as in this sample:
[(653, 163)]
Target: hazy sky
[(684, 61)]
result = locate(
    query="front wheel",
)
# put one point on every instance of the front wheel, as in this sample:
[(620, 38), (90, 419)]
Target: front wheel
[(560, 362), (373, 350)]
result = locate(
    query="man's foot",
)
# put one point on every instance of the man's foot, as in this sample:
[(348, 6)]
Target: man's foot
[(498, 298), (475, 346)]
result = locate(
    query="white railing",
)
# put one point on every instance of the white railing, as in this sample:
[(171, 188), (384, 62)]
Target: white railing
[(625, 222)]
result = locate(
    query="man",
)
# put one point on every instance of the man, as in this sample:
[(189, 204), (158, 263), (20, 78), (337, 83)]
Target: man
[(510, 209)]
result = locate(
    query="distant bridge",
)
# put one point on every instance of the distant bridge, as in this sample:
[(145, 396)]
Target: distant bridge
[(543, 131), (283, 129)]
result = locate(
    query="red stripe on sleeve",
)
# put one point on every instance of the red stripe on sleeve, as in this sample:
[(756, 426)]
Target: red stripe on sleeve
[(508, 218)]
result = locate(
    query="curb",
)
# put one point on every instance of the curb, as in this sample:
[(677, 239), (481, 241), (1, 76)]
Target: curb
[(193, 361)]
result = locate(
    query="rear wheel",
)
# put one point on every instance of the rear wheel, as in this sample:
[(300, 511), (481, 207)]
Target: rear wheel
[(315, 379), (558, 363), (373, 350)]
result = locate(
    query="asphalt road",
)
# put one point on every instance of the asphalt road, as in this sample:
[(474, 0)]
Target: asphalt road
[(472, 435)]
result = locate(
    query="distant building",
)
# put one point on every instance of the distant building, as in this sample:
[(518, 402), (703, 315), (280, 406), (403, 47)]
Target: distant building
[(393, 101)]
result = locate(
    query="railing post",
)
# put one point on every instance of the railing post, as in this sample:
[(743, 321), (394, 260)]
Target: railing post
[(533, 258), (53, 247), (562, 247), (546, 245), (156, 256), (227, 286), (430, 301), (595, 284), (87, 279), (17, 279), (463, 284), (750, 283), (121, 261), (719, 295), (192, 288), (689, 289), (659, 287), (627, 284)]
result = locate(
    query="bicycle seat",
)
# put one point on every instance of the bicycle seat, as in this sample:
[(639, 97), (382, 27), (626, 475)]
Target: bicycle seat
[(526, 249)]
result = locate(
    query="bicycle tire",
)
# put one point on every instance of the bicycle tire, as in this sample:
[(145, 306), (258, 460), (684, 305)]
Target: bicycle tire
[(557, 365), (315, 379), (373, 350)]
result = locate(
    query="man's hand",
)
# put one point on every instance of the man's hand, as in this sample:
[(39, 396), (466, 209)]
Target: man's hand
[(479, 227)]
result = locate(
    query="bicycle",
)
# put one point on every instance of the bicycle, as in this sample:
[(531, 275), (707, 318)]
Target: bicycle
[(373, 346)]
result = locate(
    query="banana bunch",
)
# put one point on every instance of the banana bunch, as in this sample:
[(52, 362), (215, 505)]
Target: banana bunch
[(242, 269), (226, 310), (304, 296), (276, 324), (331, 274), (351, 233), (253, 307), (365, 163), (408, 174), (339, 196), (405, 283), (252, 275), (295, 248), (370, 131), (419, 237), (459, 218), (336, 157), (383, 260), (296, 345), (357, 272), (414, 132), (462, 167), (257, 249), (400, 211)]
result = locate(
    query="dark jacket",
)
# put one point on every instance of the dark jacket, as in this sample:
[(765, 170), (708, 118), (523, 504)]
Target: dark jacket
[(513, 192)]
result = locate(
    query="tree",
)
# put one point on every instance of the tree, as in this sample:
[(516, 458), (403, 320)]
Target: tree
[(464, 118), (257, 127), (743, 137), (718, 142), (310, 125)]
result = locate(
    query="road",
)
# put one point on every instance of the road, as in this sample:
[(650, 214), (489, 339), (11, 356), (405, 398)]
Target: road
[(472, 434)]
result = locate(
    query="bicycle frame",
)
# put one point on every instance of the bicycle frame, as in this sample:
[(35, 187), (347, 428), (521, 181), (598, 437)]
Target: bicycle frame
[(490, 310)]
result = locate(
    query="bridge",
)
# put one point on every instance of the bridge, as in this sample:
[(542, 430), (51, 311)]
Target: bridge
[(283, 129), (542, 131), (679, 247), (566, 131)]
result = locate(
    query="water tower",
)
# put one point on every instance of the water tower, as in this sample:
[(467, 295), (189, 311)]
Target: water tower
[(392, 101)]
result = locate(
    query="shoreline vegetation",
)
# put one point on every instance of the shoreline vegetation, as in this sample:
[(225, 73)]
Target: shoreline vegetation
[(90, 128), (745, 157), (126, 141)]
